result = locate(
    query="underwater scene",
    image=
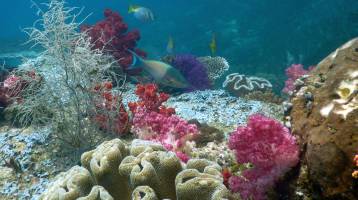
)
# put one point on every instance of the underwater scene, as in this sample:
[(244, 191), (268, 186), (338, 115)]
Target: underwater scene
[(179, 100)]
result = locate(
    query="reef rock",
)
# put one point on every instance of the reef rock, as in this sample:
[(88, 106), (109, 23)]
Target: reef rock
[(324, 117)]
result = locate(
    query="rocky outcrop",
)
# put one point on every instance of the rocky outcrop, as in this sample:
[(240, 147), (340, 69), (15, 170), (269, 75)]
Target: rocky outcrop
[(324, 117)]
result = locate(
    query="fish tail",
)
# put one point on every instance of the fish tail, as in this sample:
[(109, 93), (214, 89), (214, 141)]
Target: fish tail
[(137, 62)]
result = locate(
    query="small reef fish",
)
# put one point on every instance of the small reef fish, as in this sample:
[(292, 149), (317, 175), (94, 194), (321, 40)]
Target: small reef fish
[(212, 45), (141, 13), (161, 72), (170, 45)]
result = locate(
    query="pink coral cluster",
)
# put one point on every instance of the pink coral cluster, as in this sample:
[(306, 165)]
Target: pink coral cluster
[(153, 121), (294, 72), (111, 35), (270, 147)]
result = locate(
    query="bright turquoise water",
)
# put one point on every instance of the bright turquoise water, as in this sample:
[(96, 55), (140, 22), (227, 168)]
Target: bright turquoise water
[(256, 36)]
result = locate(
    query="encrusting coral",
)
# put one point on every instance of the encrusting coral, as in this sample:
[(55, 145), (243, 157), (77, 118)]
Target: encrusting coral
[(240, 85), (141, 171)]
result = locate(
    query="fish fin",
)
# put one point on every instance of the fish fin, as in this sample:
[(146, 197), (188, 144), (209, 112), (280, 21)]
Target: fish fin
[(132, 8), (137, 62)]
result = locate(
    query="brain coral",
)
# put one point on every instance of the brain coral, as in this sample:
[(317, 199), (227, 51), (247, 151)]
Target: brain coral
[(240, 85), (143, 170)]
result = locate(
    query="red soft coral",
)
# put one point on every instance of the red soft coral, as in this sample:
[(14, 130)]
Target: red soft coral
[(270, 147), (154, 121), (111, 35), (110, 112)]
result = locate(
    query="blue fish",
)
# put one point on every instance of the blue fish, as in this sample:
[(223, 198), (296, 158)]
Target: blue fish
[(161, 72)]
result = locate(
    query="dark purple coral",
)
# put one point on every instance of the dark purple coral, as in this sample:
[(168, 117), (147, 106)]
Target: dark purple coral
[(193, 71)]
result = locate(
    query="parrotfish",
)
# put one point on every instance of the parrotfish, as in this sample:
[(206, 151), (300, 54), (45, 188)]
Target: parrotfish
[(161, 72), (141, 13)]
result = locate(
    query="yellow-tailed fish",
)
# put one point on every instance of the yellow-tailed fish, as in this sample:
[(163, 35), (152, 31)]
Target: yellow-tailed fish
[(161, 72), (141, 13), (212, 45), (170, 45)]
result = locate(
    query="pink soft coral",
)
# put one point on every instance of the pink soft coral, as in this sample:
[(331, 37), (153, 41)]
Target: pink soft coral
[(153, 121), (294, 72), (270, 147)]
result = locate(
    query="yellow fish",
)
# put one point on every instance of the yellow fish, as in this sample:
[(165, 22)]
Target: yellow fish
[(170, 45), (141, 13), (212, 45), (161, 72)]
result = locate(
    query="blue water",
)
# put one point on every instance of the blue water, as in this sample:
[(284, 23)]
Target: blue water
[(257, 36)]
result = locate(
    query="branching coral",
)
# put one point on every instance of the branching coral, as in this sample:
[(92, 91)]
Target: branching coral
[(193, 71), (70, 68), (240, 85), (154, 121), (270, 147), (111, 35)]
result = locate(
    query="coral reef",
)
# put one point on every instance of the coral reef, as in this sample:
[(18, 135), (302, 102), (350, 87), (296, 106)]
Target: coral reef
[(270, 147), (265, 96), (140, 171), (239, 85), (112, 36), (26, 162), (193, 71), (324, 117), (294, 72), (153, 121), (215, 66)]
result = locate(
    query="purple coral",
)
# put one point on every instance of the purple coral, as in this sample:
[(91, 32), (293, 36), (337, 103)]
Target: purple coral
[(270, 147), (294, 72), (194, 72)]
